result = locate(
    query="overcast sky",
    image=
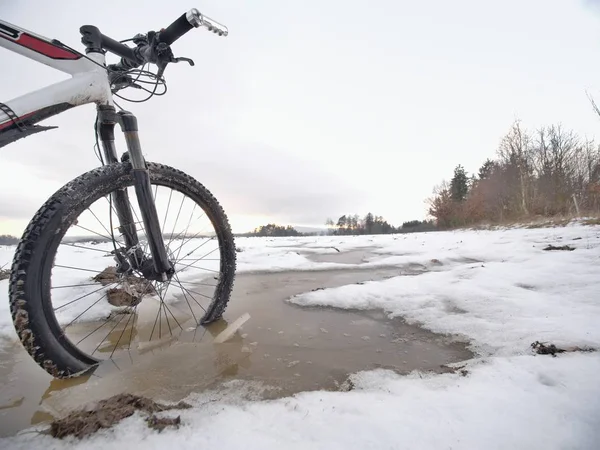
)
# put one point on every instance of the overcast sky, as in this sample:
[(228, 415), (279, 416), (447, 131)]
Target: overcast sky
[(314, 109)]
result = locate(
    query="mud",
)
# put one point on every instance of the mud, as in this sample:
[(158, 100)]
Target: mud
[(288, 348), (111, 411)]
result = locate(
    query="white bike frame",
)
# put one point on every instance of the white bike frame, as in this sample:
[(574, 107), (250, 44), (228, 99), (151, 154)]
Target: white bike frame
[(88, 83)]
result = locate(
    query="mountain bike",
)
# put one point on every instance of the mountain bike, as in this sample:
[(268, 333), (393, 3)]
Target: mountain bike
[(96, 274)]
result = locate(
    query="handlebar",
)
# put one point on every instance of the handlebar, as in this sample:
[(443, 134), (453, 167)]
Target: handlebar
[(134, 57), (177, 29), (191, 19)]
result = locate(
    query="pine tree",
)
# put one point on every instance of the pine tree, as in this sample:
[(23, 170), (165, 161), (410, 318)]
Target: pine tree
[(369, 221), (459, 185), (486, 169)]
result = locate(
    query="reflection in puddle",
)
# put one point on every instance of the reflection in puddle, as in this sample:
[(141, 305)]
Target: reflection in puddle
[(14, 404), (350, 257), (288, 348)]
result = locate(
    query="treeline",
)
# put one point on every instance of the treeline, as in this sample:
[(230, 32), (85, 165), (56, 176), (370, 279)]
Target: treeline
[(6, 239), (353, 224), (549, 172), (272, 229)]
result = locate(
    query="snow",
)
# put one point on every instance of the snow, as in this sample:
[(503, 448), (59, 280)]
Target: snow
[(515, 295), (497, 289), (521, 402), (7, 331)]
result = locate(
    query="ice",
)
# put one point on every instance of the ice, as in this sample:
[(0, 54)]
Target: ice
[(228, 332)]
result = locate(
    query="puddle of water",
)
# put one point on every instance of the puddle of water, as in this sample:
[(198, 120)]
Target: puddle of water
[(290, 348), (351, 257)]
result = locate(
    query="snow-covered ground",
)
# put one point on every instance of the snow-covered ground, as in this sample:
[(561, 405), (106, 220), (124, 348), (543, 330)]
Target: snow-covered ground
[(499, 289)]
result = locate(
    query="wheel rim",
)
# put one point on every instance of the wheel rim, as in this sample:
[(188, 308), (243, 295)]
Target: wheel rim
[(103, 313)]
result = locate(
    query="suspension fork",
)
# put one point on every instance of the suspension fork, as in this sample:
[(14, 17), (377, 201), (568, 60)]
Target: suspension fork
[(107, 119)]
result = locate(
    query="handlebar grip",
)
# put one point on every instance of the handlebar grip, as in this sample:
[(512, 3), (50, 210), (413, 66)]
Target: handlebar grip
[(176, 30)]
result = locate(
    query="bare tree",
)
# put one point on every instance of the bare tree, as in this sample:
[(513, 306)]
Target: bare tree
[(515, 155)]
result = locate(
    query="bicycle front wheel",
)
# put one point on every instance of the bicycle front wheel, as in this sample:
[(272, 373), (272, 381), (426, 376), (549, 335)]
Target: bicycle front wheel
[(74, 305)]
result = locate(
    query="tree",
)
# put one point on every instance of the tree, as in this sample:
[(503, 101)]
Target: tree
[(459, 185), (441, 206), (6, 239), (554, 172), (275, 230), (515, 154), (486, 169), (413, 226), (369, 221)]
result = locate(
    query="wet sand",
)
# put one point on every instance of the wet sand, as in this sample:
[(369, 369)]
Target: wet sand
[(288, 348)]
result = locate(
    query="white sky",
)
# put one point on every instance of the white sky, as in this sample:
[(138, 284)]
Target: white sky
[(315, 109)]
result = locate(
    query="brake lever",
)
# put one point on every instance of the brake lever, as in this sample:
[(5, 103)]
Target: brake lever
[(190, 61)]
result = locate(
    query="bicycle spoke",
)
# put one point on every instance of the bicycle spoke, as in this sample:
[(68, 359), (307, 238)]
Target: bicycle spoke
[(200, 268), (190, 306), (199, 247), (198, 293), (198, 284), (201, 337), (108, 334), (121, 335), (109, 238), (82, 246), (159, 321), (167, 212), (88, 335), (187, 290), (137, 218), (83, 296), (167, 317), (193, 237), (138, 221), (174, 318), (132, 327), (86, 310), (176, 220), (77, 268), (74, 285), (141, 226), (202, 257), (135, 312), (161, 296), (155, 321), (110, 204), (185, 231), (101, 224), (188, 303)]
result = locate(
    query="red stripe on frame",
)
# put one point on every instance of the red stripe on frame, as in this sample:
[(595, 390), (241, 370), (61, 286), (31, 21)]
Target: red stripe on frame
[(45, 48), (10, 122)]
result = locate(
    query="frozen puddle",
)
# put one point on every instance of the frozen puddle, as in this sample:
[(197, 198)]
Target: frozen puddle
[(289, 348)]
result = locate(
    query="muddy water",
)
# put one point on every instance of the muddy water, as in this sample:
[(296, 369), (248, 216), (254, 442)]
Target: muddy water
[(289, 348), (350, 257)]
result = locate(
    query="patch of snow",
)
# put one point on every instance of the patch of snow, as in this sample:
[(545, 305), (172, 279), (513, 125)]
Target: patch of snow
[(517, 294), (506, 403)]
